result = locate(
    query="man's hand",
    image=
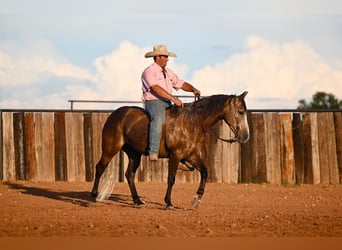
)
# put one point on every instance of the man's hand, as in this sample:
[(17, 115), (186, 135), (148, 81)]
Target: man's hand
[(196, 92), (178, 102)]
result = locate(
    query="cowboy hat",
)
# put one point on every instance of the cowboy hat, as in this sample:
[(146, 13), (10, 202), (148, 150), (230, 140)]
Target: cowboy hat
[(160, 50)]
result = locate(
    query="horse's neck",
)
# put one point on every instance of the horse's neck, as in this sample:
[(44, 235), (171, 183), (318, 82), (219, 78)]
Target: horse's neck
[(211, 120)]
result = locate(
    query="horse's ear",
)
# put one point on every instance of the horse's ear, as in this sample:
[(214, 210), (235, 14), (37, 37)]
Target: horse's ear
[(243, 95)]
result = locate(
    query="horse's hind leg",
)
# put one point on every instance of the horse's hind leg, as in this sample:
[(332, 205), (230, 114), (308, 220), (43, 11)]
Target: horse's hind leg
[(133, 164), (100, 168)]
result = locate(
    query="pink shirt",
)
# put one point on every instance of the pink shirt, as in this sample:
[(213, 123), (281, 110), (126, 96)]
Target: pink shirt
[(153, 75)]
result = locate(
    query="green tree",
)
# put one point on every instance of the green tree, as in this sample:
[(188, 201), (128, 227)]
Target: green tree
[(321, 100)]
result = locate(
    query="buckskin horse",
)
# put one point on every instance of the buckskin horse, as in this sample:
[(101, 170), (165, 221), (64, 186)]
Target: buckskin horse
[(183, 138)]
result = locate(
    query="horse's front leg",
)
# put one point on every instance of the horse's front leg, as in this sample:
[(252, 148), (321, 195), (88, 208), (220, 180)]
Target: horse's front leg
[(173, 165), (204, 174)]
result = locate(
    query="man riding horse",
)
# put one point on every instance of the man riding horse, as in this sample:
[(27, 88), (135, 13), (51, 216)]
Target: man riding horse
[(157, 84)]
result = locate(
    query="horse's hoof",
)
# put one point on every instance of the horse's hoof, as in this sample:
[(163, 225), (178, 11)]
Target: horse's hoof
[(170, 207), (195, 202), (90, 204), (140, 205)]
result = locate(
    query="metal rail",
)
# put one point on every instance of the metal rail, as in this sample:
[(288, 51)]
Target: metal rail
[(73, 101)]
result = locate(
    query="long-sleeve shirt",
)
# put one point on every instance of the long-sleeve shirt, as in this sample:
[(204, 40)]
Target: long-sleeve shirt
[(154, 75)]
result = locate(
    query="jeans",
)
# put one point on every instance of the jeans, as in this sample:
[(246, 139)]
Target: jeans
[(156, 110)]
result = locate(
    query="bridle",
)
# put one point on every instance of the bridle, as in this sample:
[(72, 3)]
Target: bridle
[(232, 140)]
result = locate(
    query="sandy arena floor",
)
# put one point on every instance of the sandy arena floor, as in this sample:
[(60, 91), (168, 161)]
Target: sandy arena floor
[(60, 209)]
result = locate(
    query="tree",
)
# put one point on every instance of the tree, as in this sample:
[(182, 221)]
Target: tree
[(321, 100)]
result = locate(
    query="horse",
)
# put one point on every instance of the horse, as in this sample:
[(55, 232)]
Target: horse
[(182, 140)]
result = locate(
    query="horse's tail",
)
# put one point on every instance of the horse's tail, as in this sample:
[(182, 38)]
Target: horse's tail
[(107, 183)]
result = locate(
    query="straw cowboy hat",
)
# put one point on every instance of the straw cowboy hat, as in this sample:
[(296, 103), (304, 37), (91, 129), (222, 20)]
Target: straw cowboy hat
[(160, 50)]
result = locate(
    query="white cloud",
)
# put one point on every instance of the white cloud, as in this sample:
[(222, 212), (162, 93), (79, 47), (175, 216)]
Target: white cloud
[(31, 61), (286, 72), (276, 75), (118, 74)]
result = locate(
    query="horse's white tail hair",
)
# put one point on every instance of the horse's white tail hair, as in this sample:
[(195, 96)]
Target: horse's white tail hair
[(107, 182)]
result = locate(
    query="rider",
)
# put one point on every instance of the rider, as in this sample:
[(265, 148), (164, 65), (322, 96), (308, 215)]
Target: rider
[(157, 84)]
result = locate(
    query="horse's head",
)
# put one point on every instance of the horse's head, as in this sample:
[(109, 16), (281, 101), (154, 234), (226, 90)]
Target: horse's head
[(235, 115)]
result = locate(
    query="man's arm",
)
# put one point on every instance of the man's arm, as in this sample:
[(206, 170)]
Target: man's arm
[(165, 95), (189, 88)]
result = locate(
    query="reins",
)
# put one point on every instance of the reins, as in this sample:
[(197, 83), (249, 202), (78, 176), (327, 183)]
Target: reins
[(222, 139)]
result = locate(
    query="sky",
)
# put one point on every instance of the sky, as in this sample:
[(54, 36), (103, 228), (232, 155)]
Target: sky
[(52, 51)]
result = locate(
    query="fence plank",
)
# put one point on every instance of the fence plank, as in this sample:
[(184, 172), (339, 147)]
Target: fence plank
[(298, 145), (338, 129), (322, 127), (61, 169), (272, 137), (287, 163), (98, 121), (77, 137), (246, 156), (18, 135), (331, 147), (88, 146), (30, 152), (233, 158), (259, 149), (48, 138), (143, 170), (1, 150), (44, 146), (212, 148), (8, 147), (75, 146), (311, 155)]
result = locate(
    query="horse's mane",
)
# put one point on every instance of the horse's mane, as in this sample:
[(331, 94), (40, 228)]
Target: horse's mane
[(202, 107)]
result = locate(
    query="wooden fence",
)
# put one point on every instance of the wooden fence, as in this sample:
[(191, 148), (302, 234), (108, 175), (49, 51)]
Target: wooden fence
[(284, 148)]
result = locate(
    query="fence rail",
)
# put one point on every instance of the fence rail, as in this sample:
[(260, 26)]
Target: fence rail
[(286, 147)]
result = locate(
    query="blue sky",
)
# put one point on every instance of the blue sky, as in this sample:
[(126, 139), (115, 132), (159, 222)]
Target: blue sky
[(280, 51)]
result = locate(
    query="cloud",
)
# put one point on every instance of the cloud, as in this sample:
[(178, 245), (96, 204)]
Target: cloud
[(32, 61), (286, 72), (118, 74), (34, 75)]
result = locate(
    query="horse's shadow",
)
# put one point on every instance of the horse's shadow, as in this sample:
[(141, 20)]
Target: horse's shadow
[(81, 198)]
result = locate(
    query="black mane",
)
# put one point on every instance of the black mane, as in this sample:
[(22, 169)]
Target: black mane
[(204, 106)]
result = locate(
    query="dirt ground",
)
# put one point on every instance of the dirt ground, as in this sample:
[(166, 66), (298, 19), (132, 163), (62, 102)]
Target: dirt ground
[(261, 210)]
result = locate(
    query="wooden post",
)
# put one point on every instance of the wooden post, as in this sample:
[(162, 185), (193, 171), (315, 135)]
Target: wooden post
[(272, 138), (78, 139), (327, 148), (8, 147), (332, 150), (144, 171), (259, 149), (1, 150), (75, 147), (211, 156), (298, 145), (61, 169), (338, 129), (88, 146), (311, 149), (231, 168), (44, 147), (246, 155), (18, 133), (287, 166), (30, 152)]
